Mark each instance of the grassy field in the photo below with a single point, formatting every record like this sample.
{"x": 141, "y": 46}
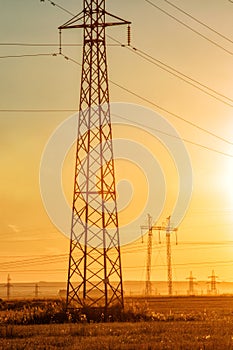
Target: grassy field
{"x": 173, "y": 323}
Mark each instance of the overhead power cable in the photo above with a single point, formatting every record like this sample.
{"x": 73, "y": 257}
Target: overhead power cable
{"x": 157, "y": 106}
{"x": 36, "y": 44}
{"x": 132, "y": 93}
{"x": 171, "y": 113}
{"x": 143, "y": 125}
{"x": 29, "y": 55}
{"x": 59, "y": 6}
{"x": 167, "y": 68}
{"x": 46, "y": 44}
{"x": 144, "y": 99}
{"x": 180, "y": 138}
{"x": 177, "y": 73}
{"x": 152, "y": 4}
{"x": 190, "y": 28}
{"x": 198, "y": 21}
{"x": 37, "y": 110}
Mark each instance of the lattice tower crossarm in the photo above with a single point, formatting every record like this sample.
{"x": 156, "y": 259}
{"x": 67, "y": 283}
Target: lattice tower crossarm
{"x": 95, "y": 272}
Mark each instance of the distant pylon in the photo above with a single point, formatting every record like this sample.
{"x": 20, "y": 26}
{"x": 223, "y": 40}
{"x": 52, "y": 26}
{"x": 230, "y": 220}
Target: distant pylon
{"x": 169, "y": 230}
{"x": 150, "y": 228}
{"x": 191, "y": 283}
{"x": 95, "y": 272}
{"x": 8, "y": 287}
{"x": 36, "y": 290}
{"x": 213, "y": 283}
{"x": 148, "y": 289}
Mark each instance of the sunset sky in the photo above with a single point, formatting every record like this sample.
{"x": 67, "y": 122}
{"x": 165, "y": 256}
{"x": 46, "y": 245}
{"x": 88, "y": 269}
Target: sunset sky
{"x": 32, "y": 248}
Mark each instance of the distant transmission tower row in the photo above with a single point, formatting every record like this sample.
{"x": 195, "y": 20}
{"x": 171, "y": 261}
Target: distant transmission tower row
{"x": 213, "y": 283}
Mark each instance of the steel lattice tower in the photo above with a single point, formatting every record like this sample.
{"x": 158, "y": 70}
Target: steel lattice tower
{"x": 169, "y": 230}
{"x": 191, "y": 283}
{"x": 213, "y": 283}
{"x": 150, "y": 228}
{"x": 95, "y": 273}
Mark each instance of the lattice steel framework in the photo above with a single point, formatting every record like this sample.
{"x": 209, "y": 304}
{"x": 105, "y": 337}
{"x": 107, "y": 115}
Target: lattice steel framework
{"x": 168, "y": 229}
{"x": 191, "y": 283}
{"x": 213, "y": 283}
{"x": 95, "y": 273}
{"x": 148, "y": 289}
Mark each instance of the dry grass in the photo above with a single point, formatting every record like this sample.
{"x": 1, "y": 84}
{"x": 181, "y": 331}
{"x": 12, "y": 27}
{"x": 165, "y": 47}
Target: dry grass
{"x": 178, "y": 324}
{"x": 217, "y": 335}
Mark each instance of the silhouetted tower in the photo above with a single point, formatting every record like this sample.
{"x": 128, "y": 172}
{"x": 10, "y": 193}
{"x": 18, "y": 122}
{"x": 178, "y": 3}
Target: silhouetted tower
{"x": 150, "y": 228}
{"x": 213, "y": 283}
{"x": 191, "y": 283}
{"x": 148, "y": 289}
{"x": 169, "y": 229}
{"x": 36, "y": 290}
{"x": 95, "y": 274}
{"x": 8, "y": 287}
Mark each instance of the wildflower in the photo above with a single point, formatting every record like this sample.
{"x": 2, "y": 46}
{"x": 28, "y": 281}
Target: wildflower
{"x": 83, "y": 318}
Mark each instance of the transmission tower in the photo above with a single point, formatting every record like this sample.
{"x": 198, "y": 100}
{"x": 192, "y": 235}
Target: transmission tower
{"x": 95, "y": 273}
{"x": 148, "y": 288}
{"x": 213, "y": 283}
{"x": 191, "y": 283}
{"x": 36, "y": 291}
{"x": 169, "y": 229}
{"x": 8, "y": 287}
{"x": 150, "y": 228}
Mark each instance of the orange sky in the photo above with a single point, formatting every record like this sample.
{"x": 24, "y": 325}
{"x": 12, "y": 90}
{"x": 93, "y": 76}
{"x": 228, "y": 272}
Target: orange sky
{"x": 26, "y": 232}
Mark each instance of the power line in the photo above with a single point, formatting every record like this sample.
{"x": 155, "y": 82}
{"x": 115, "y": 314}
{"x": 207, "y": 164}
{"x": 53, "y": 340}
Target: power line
{"x": 37, "y": 44}
{"x": 190, "y": 28}
{"x": 59, "y": 6}
{"x": 144, "y": 99}
{"x": 47, "y": 44}
{"x": 34, "y": 271}
{"x": 138, "y": 96}
{"x": 180, "y": 138}
{"x": 153, "y": 60}
{"x": 199, "y": 263}
{"x": 161, "y": 108}
{"x": 34, "y": 261}
{"x": 29, "y": 55}
{"x": 186, "y": 76}
{"x": 208, "y": 263}
{"x": 175, "y": 73}
{"x": 198, "y": 21}
{"x": 127, "y": 90}
{"x": 173, "y": 114}
{"x": 123, "y": 118}
{"x": 152, "y": 4}
{"x": 45, "y": 259}
{"x": 37, "y": 110}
